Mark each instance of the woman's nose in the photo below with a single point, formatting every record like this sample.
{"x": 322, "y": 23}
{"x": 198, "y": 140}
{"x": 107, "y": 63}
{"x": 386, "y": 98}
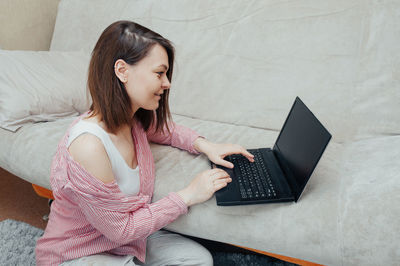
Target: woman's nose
{"x": 166, "y": 84}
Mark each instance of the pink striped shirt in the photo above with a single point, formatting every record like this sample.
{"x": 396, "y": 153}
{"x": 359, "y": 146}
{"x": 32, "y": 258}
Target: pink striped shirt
{"x": 89, "y": 216}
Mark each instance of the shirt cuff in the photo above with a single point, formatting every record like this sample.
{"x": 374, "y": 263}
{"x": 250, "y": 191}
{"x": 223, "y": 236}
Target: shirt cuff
{"x": 179, "y": 201}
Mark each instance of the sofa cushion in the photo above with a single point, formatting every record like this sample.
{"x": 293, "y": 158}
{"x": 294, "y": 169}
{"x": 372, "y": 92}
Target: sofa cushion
{"x": 41, "y": 86}
{"x": 243, "y": 62}
{"x": 368, "y": 222}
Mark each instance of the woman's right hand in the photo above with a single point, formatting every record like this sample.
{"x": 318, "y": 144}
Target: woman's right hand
{"x": 204, "y": 185}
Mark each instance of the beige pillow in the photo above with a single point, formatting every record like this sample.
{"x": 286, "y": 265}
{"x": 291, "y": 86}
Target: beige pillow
{"x": 38, "y": 86}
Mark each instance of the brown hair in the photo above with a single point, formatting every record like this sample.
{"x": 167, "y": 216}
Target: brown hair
{"x": 130, "y": 42}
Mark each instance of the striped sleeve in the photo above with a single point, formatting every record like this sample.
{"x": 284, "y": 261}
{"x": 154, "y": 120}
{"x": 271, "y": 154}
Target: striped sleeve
{"x": 180, "y": 137}
{"x": 125, "y": 227}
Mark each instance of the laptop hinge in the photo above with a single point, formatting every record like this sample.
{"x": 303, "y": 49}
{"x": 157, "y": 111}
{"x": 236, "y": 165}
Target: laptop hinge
{"x": 290, "y": 178}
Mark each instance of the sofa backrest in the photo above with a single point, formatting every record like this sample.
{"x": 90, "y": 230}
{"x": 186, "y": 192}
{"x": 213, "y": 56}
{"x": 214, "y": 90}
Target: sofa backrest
{"x": 244, "y": 62}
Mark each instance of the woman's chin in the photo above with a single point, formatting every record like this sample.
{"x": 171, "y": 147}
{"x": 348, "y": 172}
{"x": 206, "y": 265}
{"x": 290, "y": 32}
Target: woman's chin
{"x": 152, "y": 107}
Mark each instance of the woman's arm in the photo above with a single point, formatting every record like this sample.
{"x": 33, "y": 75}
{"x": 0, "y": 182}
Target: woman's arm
{"x": 188, "y": 139}
{"x": 180, "y": 137}
{"x": 125, "y": 227}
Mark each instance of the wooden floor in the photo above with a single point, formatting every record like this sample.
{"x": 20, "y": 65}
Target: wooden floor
{"x": 19, "y": 202}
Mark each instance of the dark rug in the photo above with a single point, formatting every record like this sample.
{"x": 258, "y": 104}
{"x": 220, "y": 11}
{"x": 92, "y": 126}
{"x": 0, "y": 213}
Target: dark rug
{"x": 18, "y": 241}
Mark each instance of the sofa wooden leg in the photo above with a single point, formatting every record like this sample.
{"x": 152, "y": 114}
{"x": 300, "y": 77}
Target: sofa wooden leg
{"x": 43, "y": 192}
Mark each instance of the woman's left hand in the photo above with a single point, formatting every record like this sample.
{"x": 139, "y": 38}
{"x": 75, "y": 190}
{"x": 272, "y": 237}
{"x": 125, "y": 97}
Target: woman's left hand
{"x": 217, "y": 152}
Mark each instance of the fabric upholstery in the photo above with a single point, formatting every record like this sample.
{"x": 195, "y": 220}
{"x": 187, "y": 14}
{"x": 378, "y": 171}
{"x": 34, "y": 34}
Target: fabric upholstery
{"x": 41, "y": 86}
{"x": 340, "y": 57}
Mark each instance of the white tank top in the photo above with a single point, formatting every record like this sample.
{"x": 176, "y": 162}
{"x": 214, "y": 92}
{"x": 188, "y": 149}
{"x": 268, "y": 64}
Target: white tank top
{"x": 127, "y": 178}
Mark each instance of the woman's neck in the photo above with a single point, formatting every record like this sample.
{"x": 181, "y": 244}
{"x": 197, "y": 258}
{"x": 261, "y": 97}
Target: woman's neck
{"x": 124, "y": 130}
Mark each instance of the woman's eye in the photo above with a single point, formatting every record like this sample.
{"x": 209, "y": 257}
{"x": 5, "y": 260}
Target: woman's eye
{"x": 160, "y": 73}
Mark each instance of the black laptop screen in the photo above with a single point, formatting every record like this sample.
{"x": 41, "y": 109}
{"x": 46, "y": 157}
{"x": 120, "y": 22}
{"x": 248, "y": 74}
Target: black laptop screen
{"x": 301, "y": 143}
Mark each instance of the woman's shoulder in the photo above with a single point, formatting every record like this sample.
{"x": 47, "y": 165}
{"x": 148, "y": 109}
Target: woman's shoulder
{"x": 88, "y": 150}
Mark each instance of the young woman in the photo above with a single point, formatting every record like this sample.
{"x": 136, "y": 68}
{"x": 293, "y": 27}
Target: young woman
{"x": 102, "y": 174}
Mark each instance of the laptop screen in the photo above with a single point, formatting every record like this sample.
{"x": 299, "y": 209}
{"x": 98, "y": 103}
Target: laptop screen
{"x": 300, "y": 144}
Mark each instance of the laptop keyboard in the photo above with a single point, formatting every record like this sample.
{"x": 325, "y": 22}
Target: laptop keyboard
{"x": 254, "y": 178}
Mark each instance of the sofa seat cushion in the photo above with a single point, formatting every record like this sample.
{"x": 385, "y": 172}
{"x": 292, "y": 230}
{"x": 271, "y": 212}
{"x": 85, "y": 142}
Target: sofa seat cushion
{"x": 369, "y": 202}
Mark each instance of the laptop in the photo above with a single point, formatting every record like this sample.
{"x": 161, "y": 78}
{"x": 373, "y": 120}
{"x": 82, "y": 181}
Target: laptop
{"x": 279, "y": 174}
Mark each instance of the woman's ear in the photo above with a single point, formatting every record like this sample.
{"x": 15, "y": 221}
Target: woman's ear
{"x": 121, "y": 70}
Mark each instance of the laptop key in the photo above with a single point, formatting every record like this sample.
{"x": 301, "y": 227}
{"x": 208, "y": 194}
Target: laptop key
{"x": 242, "y": 190}
{"x": 265, "y": 177}
{"x": 251, "y": 179}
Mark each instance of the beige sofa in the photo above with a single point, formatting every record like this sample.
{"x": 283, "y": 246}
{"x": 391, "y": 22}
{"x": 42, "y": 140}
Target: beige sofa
{"x": 239, "y": 66}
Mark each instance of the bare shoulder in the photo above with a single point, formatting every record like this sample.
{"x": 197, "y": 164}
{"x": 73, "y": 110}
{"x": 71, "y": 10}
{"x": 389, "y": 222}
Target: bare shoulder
{"x": 89, "y": 152}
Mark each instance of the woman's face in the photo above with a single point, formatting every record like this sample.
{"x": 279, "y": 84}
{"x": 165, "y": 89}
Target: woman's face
{"x": 145, "y": 79}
